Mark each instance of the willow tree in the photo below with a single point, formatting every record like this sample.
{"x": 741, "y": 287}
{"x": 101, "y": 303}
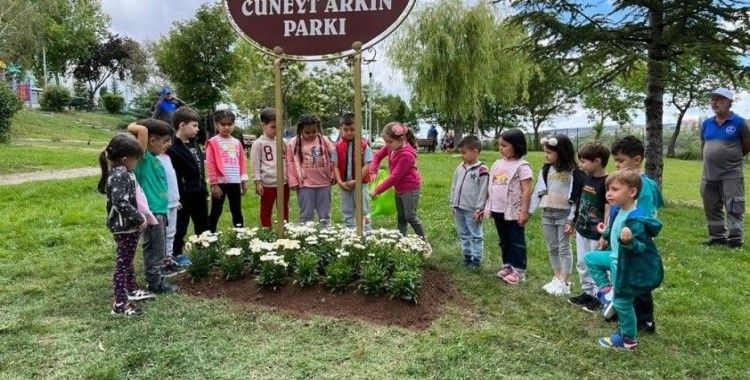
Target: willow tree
{"x": 454, "y": 57}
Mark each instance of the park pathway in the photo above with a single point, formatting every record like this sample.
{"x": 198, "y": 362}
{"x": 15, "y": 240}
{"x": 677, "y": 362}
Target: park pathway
{"x": 46, "y": 175}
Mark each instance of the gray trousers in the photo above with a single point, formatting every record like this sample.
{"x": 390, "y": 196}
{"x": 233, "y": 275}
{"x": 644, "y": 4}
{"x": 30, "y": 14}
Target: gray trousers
{"x": 406, "y": 208}
{"x": 312, "y": 199}
{"x": 583, "y": 247}
{"x": 558, "y": 243}
{"x": 348, "y": 210}
{"x": 154, "y": 249}
{"x": 720, "y": 198}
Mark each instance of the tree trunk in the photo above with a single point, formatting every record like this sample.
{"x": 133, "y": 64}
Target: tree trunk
{"x": 655, "y": 94}
{"x": 673, "y": 139}
{"x": 458, "y": 131}
{"x": 536, "y": 124}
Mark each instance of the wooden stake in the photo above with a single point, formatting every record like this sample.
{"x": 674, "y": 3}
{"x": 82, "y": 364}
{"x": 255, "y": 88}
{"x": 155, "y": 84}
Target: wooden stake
{"x": 280, "y": 161}
{"x": 357, "y": 75}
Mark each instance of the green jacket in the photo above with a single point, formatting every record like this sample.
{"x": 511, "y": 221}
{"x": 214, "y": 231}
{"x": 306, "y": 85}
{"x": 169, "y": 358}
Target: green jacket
{"x": 639, "y": 266}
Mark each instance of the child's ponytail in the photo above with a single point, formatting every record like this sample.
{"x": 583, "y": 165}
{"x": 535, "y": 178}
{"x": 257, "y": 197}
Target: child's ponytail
{"x": 121, "y": 146}
{"x": 104, "y": 165}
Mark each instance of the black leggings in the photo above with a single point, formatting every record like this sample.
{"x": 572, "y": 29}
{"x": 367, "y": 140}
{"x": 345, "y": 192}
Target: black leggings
{"x": 195, "y": 207}
{"x": 233, "y": 191}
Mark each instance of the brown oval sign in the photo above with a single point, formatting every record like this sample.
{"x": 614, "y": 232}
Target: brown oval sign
{"x": 316, "y": 29}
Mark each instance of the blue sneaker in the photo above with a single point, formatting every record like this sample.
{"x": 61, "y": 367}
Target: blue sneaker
{"x": 618, "y": 342}
{"x": 183, "y": 260}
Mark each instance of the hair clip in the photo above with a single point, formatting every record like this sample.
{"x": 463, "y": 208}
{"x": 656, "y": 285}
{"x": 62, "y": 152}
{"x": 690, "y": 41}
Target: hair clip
{"x": 549, "y": 141}
{"x": 398, "y": 130}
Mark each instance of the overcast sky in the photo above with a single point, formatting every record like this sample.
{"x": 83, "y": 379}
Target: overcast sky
{"x": 148, "y": 20}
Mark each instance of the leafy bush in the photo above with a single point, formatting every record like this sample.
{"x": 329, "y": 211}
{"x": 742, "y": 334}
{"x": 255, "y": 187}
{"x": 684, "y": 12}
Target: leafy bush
{"x": 55, "y": 99}
{"x": 141, "y": 105}
{"x": 306, "y": 270}
{"x": 272, "y": 270}
{"x": 374, "y": 277}
{"x": 232, "y": 264}
{"x": 113, "y": 103}
{"x": 9, "y": 105}
{"x": 203, "y": 252}
{"x": 339, "y": 274}
{"x": 405, "y": 284}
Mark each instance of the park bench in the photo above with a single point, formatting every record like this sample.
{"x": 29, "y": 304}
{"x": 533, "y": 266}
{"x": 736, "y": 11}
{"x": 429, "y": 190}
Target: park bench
{"x": 425, "y": 143}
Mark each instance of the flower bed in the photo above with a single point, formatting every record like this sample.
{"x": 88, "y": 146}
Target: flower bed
{"x": 383, "y": 261}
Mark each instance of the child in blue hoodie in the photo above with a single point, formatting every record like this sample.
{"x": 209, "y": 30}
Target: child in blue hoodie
{"x": 633, "y": 263}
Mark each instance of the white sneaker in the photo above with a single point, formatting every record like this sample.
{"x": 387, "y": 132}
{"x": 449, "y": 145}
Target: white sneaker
{"x": 550, "y": 285}
{"x": 562, "y": 289}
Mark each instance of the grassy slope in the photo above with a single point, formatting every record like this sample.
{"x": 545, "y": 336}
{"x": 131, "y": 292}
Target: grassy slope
{"x": 56, "y": 260}
{"x": 57, "y": 129}
{"x": 65, "y": 126}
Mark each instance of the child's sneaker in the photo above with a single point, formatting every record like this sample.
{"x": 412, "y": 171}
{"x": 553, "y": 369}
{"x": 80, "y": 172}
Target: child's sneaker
{"x": 183, "y": 260}
{"x": 504, "y": 272}
{"x": 562, "y": 289}
{"x": 164, "y": 288}
{"x": 139, "y": 295}
{"x": 592, "y": 305}
{"x": 514, "y": 277}
{"x": 647, "y": 327}
{"x": 170, "y": 268}
{"x": 127, "y": 309}
{"x": 550, "y": 285}
{"x": 619, "y": 342}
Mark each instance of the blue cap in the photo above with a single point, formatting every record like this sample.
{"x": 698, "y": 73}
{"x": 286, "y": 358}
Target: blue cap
{"x": 166, "y": 90}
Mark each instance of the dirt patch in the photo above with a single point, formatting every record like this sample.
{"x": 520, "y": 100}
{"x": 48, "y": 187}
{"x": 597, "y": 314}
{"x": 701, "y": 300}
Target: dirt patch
{"x": 437, "y": 291}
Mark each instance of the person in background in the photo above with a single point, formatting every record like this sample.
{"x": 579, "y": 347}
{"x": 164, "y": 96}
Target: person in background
{"x": 167, "y": 105}
{"x": 725, "y": 141}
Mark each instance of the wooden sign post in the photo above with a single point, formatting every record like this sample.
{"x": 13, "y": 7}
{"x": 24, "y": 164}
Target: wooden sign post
{"x": 316, "y": 30}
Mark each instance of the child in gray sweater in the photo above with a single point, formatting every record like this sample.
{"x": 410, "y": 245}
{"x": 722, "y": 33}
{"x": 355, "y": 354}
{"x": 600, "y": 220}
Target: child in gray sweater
{"x": 468, "y": 197}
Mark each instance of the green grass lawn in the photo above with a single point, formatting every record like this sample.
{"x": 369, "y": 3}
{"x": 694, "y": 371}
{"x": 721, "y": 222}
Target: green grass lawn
{"x": 56, "y": 259}
{"x": 19, "y": 158}
{"x": 85, "y": 126}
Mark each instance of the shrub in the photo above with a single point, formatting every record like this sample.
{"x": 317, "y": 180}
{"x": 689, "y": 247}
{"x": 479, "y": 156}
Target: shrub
{"x": 339, "y": 274}
{"x": 405, "y": 284}
{"x": 374, "y": 277}
{"x": 55, "y": 99}
{"x": 272, "y": 270}
{"x": 306, "y": 270}
{"x": 9, "y": 105}
{"x": 113, "y": 103}
{"x": 232, "y": 264}
{"x": 203, "y": 252}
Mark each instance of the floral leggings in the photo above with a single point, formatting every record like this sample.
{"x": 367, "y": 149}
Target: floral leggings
{"x": 124, "y": 277}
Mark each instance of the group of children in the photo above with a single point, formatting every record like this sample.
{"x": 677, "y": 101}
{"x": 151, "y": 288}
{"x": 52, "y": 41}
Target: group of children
{"x": 613, "y": 217}
{"x": 155, "y": 182}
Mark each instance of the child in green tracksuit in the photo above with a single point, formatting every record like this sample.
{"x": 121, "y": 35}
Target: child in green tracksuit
{"x": 633, "y": 263}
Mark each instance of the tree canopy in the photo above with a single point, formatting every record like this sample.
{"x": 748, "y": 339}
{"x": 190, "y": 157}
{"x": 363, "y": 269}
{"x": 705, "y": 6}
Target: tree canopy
{"x": 657, "y": 33}
{"x": 197, "y": 57}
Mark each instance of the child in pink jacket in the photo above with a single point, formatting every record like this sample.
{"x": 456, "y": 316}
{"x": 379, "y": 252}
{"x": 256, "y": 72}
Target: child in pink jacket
{"x": 227, "y": 173}
{"x": 401, "y": 150}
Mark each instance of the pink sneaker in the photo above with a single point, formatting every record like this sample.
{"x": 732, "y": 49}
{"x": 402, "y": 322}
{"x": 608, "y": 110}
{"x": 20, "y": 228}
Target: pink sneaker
{"x": 514, "y": 277}
{"x": 504, "y": 272}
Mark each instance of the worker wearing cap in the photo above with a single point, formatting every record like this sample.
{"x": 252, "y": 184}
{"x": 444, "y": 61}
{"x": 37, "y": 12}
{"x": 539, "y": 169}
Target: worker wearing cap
{"x": 725, "y": 140}
{"x": 167, "y": 104}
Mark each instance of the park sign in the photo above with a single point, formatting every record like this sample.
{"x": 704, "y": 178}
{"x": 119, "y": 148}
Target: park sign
{"x": 316, "y": 29}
